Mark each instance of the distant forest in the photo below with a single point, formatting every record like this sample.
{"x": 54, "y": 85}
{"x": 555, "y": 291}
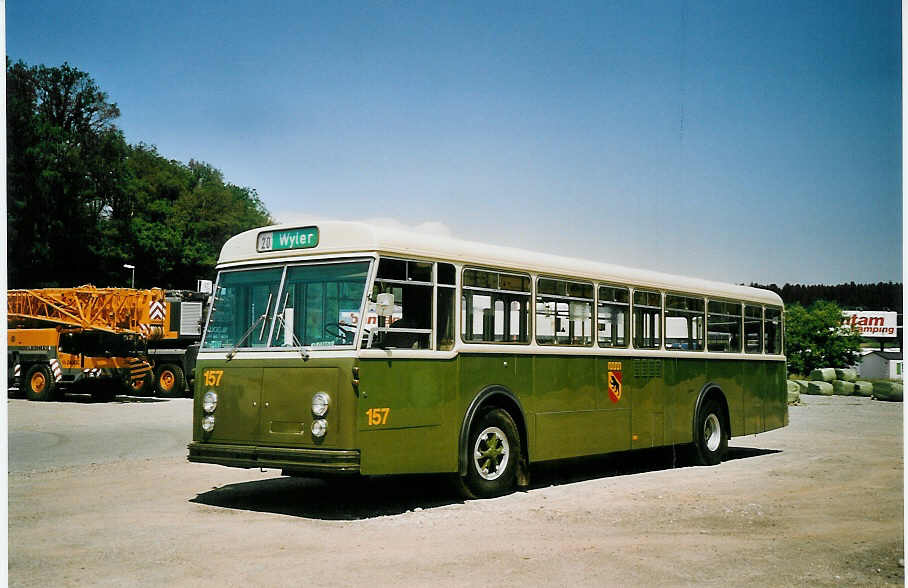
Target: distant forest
{"x": 851, "y": 296}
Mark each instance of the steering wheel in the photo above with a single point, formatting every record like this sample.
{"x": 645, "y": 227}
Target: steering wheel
{"x": 338, "y": 331}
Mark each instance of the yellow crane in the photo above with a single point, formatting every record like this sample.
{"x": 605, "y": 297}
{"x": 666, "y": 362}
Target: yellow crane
{"x": 60, "y": 336}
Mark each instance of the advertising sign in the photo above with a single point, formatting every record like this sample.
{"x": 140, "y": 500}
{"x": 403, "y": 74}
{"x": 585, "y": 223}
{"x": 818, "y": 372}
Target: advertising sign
{"x": 871, "y": 323}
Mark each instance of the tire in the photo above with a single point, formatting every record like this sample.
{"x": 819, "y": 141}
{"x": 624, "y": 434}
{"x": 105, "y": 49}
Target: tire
{"x": 493, "y": 455}
{"x": 169, "y": 381}
{"x": 39, "y": 383}
{"x": 710, "y": 434}
{"x": 143, "y": 385}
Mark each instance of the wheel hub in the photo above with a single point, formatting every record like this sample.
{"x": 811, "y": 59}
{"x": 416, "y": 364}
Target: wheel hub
{"x": 712, "y": 432}
{"x": 491, "y": 452}
{"x": 38, "y": 382}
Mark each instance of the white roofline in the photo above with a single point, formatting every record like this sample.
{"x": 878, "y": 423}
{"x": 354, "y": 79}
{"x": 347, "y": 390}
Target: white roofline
{"x": 344, "y": 237}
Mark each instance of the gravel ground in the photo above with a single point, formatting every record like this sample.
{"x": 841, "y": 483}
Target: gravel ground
{"x": 101, "y": 494}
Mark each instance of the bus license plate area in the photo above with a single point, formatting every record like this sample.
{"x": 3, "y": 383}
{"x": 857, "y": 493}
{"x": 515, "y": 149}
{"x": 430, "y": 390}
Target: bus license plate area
{"x": 286, "y": 407}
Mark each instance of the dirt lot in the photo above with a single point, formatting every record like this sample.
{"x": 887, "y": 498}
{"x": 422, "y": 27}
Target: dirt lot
{"x": 101, "y": 494}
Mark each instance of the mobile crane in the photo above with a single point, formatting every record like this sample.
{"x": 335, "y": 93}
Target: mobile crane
{"x": 60, "y": 337}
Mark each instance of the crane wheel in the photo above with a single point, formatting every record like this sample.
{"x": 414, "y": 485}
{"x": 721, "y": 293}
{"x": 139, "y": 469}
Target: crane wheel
{"x": 169, "y": 381}
{"x": 39, "y": 383}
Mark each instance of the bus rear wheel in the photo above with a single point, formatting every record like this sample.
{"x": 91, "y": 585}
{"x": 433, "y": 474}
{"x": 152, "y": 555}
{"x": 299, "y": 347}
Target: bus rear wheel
{"x": 493, "y": 453}
{"x": 169, "y": 381}
{"x": 39, "y": 383}
{"x": 711, "y": 433}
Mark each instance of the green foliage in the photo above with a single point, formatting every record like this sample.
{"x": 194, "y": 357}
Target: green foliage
{"x": 815, "y": 338}
{"x": 82, "y": 202}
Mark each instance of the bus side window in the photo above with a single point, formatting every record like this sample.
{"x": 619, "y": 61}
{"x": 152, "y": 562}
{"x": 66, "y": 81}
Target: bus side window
{"x": 494, "y": 307}
{"x": 772, "y": 330}
{"x": 647, "y": 319}
{"x": 684, "y": 322}
{"x": 564, "y": 312}
{"x": 612, "y": 316}
{"x": 753, "y": 324}
{"x": 444, "y": 307}
{"x": 412, "y": 285}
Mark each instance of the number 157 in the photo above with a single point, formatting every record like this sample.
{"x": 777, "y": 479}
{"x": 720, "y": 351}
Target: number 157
{"x": 378, "y": 416}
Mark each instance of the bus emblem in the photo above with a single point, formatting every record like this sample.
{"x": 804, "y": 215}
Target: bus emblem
{"x": 614, "y": 385}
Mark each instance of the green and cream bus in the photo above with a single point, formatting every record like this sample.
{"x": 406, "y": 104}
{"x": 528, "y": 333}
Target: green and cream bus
{"x": 344, "y": 347}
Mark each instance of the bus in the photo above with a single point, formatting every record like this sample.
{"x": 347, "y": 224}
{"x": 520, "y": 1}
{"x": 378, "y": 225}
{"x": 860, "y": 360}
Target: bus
{"x": 346, "y": 348}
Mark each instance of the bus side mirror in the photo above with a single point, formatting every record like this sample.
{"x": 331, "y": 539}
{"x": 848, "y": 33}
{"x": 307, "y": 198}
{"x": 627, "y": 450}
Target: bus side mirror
{"x": 384, "y": 308}
{"x": 384, "y": 305}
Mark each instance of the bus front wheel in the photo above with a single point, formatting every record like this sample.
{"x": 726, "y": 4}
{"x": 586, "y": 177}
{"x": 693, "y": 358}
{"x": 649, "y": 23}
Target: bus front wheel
{"x": 710, "y": 434}
{"x": 493, "y": 453}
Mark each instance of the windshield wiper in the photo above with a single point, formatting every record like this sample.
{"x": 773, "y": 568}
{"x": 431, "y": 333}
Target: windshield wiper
{"x": 251, "y": 328}
{"x": 304, "y": 353}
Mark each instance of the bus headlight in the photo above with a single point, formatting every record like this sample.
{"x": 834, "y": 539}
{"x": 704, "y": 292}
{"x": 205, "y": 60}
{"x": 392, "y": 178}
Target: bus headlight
{"x": 210, "y": 401}
{"x": 208, "y": 423}
{"x": 320, "y": 404}
{"x": 319, "y": 428}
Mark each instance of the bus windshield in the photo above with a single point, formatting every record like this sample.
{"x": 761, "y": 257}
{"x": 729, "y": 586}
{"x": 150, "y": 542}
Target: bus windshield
{"x": 288, "y": 306}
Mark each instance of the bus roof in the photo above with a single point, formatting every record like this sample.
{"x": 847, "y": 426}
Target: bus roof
{"x": 345, "y": 237}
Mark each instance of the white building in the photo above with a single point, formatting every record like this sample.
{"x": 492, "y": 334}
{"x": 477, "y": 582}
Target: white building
{"x": 881, "y": 365}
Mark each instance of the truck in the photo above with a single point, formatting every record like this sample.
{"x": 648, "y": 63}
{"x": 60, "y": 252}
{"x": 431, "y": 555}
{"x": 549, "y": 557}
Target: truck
{"x": 173, "y": 343}
{"x": 121, "y": 340}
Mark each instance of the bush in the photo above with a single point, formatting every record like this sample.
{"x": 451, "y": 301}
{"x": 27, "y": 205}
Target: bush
{"x": 815, "y": 337}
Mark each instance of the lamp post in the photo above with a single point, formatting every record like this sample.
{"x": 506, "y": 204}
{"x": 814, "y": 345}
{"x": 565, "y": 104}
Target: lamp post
{"x": 133, "y": 268}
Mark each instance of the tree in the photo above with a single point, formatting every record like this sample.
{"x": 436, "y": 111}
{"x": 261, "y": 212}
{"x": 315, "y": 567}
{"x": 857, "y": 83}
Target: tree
{"x": 815, "y": 338}
{"x": 65, "y": 165}
{"x": 82, "y": 202}
{"x": 182, "y": 215}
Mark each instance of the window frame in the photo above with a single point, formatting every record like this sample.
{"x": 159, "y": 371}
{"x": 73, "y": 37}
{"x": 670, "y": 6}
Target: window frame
{"x": 565, "y": 297}
{"x": 740, "y": 317}
{"x": 433, "y": 284}
{"x": 759, "y": 307}
{"x": 678, "y": 294}
{"x": 530, "y": 308}
{"x": 661, "y": 293}
{"x": 628, "y": 319}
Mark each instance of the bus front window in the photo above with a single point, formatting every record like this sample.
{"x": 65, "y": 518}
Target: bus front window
{"x": 326, "y": 300}
{"x": 241, "y": 299}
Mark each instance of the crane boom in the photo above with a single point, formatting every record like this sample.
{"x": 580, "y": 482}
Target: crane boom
{"x": 113, "y": 310}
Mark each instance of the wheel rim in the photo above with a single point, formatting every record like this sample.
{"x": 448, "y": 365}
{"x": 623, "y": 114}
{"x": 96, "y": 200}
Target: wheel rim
{"x": 491, "y": 453}
{"x": 38, "y": 382}
{"x": 712, "y": 432}
{"x": 167, "y": 380}
{"x": 138, "y": 384}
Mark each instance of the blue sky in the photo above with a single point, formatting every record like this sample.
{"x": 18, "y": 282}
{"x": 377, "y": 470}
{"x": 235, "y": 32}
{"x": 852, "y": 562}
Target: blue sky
{"x": 736, "y": 141}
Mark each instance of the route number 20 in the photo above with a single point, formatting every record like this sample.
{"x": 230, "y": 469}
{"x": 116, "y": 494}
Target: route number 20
{"x": 213, "y": 377}
{"x": 378, "y": 416}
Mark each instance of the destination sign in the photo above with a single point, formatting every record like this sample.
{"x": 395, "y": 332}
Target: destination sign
{"x": 304, "y": 238}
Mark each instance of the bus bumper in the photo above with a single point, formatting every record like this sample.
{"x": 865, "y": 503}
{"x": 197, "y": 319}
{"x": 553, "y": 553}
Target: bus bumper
{"x": 296, "y": 460}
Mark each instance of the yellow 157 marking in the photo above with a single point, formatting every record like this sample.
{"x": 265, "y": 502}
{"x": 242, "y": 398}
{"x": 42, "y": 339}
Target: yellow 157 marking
{"x": 213, "y": 377}
{"x": 378, "y": 416}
